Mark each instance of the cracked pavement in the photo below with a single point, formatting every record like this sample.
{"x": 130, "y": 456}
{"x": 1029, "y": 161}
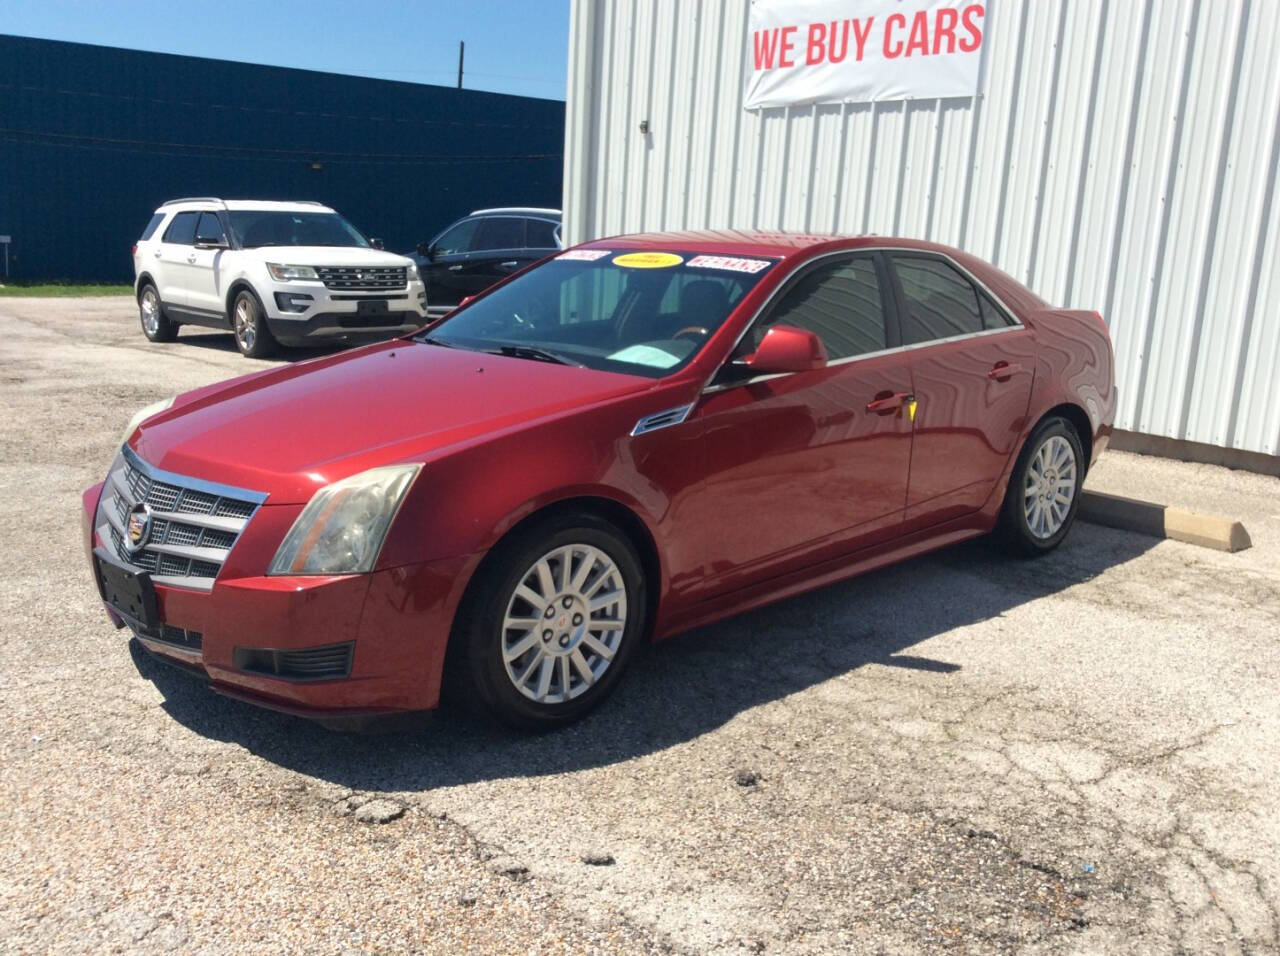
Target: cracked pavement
{"x": 1076, "y": 754}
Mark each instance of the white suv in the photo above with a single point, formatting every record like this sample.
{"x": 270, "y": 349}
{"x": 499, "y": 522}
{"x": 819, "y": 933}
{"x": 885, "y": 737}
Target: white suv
{"x": 296, "y": 273}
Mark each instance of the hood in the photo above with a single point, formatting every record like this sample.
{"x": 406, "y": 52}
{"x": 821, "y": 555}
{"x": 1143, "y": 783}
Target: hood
{"x": 329, "y": 256}
{"x": 289, "y": 430}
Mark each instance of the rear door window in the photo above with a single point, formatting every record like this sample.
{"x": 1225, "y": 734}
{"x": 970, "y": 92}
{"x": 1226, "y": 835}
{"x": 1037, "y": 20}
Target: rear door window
{"x": 541, "y": 234}
{"x": 457, "y": 239}
{"x": 841, "y": 302}
{"x": 500, "y": 232}
{"x": 182, "y": 231}
{"x": 941, "y": 302}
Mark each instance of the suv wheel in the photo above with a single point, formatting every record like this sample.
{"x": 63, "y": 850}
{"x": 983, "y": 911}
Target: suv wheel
{"x": 553, "y": 622}
{"x": 253, "y": 338}
{"x": 156, "y": 326}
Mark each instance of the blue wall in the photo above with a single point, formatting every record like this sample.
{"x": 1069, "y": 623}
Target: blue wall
{"x": 92, "y": 139}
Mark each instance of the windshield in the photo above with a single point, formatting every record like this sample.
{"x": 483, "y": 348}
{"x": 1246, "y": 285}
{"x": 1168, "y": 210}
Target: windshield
{"x": 641, "y": 313}
{"x": 255, "y": 228}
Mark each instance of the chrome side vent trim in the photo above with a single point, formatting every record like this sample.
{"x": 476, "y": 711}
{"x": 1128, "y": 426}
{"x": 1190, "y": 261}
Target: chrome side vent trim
{"x": 672, "y": 416}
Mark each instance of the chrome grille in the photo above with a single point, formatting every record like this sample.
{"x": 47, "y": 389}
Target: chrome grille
{"x": 367, "y": 279}
{"x": 194, "y": 524}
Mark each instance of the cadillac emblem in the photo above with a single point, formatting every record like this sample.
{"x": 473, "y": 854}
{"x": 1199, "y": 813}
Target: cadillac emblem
{"x": 137, "y": 527}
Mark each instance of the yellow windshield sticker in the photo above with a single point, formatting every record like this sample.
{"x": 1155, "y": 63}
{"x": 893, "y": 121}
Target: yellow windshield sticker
{"x": 648, "y": 260}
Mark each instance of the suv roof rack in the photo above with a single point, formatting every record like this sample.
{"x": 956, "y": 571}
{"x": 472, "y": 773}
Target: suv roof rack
{"x": 172, "y": 202}
{"x": 526, "y": 209}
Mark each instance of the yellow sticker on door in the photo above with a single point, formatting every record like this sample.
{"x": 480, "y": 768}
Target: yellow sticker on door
{"x": 648, "y": 260}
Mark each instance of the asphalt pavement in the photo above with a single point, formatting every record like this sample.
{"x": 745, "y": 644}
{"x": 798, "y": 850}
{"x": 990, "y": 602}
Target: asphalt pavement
{"x": 1074, "y": 754}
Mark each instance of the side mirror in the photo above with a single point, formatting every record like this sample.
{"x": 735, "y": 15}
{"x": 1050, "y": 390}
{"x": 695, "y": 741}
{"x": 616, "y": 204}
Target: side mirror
{"x": 786, "y": 348}
{"x": 424, "y": 249}
{"x": 376, "y": 243}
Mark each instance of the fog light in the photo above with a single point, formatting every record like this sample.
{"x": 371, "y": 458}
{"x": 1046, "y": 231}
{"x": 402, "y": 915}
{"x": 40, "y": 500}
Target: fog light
{"x": 294, "y": 301}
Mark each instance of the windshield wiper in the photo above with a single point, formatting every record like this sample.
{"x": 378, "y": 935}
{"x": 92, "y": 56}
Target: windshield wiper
{"x": 432, "y": 340}
{"x": 535, "y": 353}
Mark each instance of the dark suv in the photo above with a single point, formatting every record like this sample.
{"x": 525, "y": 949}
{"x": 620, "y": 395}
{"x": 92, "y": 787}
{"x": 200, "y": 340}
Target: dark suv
{"x": 479, "y": 249}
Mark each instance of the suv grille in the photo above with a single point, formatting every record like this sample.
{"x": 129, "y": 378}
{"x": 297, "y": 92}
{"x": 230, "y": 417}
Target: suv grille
{"x": 193, "y": 524}
{"x": 369, "y": 279}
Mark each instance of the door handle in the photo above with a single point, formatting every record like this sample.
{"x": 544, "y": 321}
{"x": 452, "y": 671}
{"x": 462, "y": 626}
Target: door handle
{"x": 508, "y": 265}
{"x": 192, "y": 257}
{"x": 455, "y": 268}
{"x": 157, "y": 253}
{"x": 1002, "y": 370}
{"x": 889, "y": 403}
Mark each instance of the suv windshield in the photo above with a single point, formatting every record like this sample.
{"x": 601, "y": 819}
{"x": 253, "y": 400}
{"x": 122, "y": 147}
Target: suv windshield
{"x": 255, "y": 228}
{"x": 641, "y": 313}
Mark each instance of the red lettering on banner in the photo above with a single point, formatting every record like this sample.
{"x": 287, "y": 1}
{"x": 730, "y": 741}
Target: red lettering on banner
{"x": 838, "y": 47}
{"x": 918, "y": 42}
{"x": 893, "y": 49}
{"x": 972, "y": 14}
{"x": 862, "y": 30}
{"x": 815, "y": 50}
{"x": 788, "y": 47}
{"x": 766, "y": 47}
{"x": 945, "y": 28}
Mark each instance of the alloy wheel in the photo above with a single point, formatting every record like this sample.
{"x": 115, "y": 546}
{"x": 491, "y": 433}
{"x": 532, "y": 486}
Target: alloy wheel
{"x": 150, "y": 306}
{"x": 246, "y": 324}
{"x": 1050, "y": 487}
{"x": 564, "y": 623}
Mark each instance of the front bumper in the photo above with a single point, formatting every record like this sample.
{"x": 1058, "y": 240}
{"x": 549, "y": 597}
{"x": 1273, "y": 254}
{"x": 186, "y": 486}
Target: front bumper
{"x": 397, "y": 621}
{"x": 309, "y": 313}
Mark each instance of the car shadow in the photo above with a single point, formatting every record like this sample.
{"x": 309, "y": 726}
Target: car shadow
{"x": 226, "y": 342}
{"x": 680, "y": 689}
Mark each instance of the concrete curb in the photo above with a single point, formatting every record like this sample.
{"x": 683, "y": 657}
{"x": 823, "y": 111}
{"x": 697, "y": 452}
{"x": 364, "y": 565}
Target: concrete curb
{"x": 1161, "y": 521}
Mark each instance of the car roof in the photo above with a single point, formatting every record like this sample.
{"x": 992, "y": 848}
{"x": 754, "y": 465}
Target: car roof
{"x": 265, "y": 205}
{"x": 521, "y": 210}
{"x": 749, "y": 242}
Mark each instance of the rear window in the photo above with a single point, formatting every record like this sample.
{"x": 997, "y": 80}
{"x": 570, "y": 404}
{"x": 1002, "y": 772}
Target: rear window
{"x": 642, "y": 313}
{"x": 542, "y": 234}
{"x": 152, "y": 226}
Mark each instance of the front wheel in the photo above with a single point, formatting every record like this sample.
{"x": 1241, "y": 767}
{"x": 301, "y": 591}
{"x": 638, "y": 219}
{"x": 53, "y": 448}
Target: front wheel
{"x": 253, "y": 338}
{"x": 156, "y": 326}
{"x": 553, "y": 622}
{"x": 1044, "y": 489}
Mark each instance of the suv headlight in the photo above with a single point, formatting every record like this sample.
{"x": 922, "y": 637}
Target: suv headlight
{"x": 283, "y": 273}
{"x": 412, "y": 271}
{"x": 142, "y": 414}
{"x": 342, "y": 528}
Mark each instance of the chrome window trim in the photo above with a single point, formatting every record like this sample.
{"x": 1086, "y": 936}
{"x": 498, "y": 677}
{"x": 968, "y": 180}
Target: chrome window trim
{"x": 709, "y": 389}
{"x": 186, "y": 481}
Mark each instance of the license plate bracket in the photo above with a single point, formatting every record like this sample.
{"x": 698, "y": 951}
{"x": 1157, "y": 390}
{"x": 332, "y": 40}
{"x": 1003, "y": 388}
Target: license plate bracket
{"x": 371, "y": 307}
{"x": 128, "y": 591}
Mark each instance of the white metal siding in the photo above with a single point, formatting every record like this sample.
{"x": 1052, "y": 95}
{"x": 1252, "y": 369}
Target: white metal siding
{"x": 1123, "y": 157}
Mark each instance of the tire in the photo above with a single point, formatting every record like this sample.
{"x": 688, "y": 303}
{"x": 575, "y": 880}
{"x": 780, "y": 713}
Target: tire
{"x": 1035, "y": 517}
{"x": 249, "y": 325}
{"x": 156, "y": 326}
{"x": 516, "y": 691}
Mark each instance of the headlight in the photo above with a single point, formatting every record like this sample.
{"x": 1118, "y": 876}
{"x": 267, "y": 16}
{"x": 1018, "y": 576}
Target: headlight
{"x": 288, "y": 273}
{"x": 342, "y": 528}
{"x": 412, "y": 271}
{"x": 142, "y": 414}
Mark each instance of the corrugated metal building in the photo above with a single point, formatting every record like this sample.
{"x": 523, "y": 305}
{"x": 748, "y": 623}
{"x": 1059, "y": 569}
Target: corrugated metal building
{"x": 1122, "y": 157}
{"x": 92, "y": 139}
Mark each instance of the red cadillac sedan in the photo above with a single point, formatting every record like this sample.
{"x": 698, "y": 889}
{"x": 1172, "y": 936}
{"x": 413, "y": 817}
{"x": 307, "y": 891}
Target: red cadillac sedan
{"x": 635, "y": 437}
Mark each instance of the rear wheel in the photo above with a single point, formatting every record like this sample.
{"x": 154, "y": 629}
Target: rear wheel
{"x": 1044, "y": 489}
{"x": 253, "y": 338}
{"x": 553, "y": 622}
{"x": 156, "y": 326}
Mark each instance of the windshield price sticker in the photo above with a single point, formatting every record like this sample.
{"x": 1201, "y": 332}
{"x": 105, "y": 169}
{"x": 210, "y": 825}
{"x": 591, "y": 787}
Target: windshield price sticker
{"x": 728, "y": 262}
{"x": 648, "y": 260}
{"x": 585, "y": 255}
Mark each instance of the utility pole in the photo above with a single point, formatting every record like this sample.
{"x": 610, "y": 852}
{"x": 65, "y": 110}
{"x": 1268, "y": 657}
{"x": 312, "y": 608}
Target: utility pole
{"x": 462, "y": 49}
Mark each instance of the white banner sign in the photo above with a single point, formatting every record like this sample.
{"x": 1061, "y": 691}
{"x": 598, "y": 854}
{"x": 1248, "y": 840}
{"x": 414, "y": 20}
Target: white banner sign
{"x": 834, "y": 51}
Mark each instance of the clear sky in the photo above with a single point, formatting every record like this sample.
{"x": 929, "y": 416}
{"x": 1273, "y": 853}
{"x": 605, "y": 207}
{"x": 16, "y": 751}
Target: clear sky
{"x": 512, "y": 46}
